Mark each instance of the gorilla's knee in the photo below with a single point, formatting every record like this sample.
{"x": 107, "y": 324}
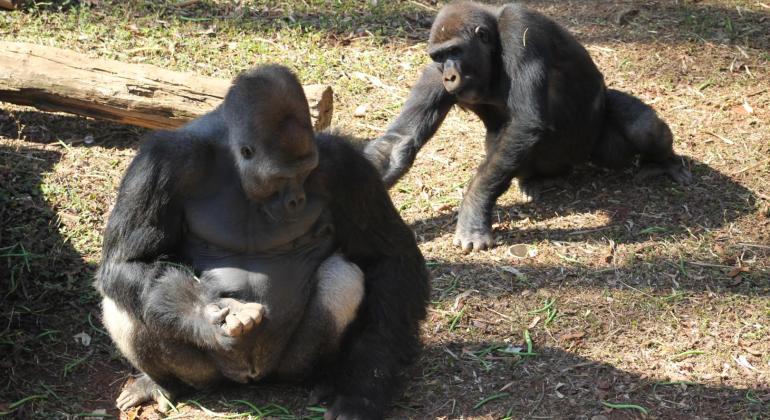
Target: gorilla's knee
{"x": 340, "y": 289}
{"x": 121, "y": 327}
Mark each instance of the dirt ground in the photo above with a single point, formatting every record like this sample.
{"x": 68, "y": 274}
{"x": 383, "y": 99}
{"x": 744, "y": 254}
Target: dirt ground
{"x": 637, "y": 299}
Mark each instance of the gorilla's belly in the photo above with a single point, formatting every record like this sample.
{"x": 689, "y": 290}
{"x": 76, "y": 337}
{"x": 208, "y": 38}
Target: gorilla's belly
{"x": 281, "y": 280}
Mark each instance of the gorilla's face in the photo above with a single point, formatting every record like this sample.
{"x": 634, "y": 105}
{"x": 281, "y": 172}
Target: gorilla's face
{"x": 273, "y": 167}
{"x": 463, "y": 48}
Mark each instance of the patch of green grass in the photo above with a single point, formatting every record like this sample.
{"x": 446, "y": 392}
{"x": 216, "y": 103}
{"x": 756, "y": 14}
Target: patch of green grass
{"x": 686, "y": 354}
{"x": 489, "y": 399}
{"x": 626, "y": 407}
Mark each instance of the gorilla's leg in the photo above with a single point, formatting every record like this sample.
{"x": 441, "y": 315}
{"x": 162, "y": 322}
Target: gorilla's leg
{"x": 530, "y": 189}
{"x": 339, "y": 293}
{"x": 633, "y": 128}
{"x": 168, "y": 366}
{"x": 542, "y": 174}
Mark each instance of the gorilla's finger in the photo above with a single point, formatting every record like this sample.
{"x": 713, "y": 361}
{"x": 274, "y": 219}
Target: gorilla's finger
{"x": 233, "y": 326}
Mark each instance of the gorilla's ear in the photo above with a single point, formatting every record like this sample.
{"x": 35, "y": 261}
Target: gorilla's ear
{"x": 482, "y": 33}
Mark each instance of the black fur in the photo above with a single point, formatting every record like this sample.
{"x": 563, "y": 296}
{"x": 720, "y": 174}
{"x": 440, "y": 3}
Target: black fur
{"x": 541, "y": 98}
{"x": 178, "y": 196}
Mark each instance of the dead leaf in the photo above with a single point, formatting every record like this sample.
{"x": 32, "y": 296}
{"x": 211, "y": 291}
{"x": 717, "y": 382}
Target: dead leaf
{"x": 556, "y": 390}
{"x": 443, "y": 207}
{"x": 747, "y": 107}
{"x": 744, "y": 363}
{"x": 575, "y": 335}
{"x": 512, "y": 270}
{"x": 603, "y": 384}
{"x": 460, "y": 300}
{"x": 534, "y": 322}
{"x": 82, "y": 338}
{"x": 361, "y": 110}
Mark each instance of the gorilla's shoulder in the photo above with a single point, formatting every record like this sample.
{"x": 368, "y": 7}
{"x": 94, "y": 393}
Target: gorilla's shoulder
{"x": 342, "y": 162}
{"x": 341, "y": 149}
{"x": 172, "y": 155}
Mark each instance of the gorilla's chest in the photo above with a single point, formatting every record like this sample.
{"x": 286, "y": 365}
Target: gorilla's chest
{"x": 239, "y": 252}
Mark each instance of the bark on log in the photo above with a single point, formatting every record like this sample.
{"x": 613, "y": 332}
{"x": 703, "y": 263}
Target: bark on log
{"x": 54, "y": 79}
{"x": 7, "y": 5}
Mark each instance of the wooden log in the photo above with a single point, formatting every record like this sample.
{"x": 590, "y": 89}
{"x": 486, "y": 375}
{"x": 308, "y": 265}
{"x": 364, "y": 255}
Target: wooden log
{"x": 58, "y": 80}
{"x": 7, "y": 4}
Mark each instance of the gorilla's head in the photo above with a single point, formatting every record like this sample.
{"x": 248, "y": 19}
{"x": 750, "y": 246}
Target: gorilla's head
{"x": 271, "y": 139}
{"x": 464, "y": 43}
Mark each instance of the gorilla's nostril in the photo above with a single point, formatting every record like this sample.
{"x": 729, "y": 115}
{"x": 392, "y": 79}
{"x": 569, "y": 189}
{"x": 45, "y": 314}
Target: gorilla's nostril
{"x": 292, "y": 204}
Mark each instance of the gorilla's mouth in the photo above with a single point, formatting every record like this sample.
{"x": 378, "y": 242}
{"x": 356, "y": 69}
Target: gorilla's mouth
{"x": 463, "y": 87}
{"x": 272, "y": 218}
{"x": 275, "y": 219}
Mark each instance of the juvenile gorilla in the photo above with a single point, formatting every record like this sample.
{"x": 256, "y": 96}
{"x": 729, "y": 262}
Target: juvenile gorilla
{"x": 241, "y": 247}
{"x": 543, "y": 103}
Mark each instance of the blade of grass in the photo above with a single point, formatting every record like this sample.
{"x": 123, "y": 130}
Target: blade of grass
{"x": 490, "y": 398}
{"x": 548, "y": 304}
{"x": 626, "y": 407}
{"x": 687, "y": 353}
{"x": 456, "y": 319}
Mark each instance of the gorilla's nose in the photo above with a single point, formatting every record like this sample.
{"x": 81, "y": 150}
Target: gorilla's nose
{"x": 295, "y": 204}
{"x": 451, "y": 80}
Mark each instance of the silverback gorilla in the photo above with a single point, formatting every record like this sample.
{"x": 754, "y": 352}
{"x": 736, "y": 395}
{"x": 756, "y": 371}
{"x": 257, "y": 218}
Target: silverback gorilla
{"x": 543, "y": 103}
{"x": 242, "y": 247}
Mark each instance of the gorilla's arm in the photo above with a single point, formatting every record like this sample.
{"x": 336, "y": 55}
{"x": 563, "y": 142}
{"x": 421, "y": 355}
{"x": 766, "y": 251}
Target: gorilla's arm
{"x": 428, "y": 104}
{"x": 385, "y": 336}
{"x": 139, "y": 270}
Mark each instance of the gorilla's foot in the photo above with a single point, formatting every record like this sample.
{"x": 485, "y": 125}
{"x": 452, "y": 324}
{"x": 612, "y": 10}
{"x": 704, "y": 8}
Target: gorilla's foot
{"x": 322, "y": 394}
{"x": 473, "y": 238}
{"x": 236, "y": 318}
{"x": 531, "y": 189}
{"x": 352, "y": 408}
{"x": 143, "y": 389}
{"x": 674, "y": 168}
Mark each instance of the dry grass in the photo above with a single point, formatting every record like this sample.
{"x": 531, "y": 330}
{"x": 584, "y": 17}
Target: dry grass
{"x": 650, "y": 296}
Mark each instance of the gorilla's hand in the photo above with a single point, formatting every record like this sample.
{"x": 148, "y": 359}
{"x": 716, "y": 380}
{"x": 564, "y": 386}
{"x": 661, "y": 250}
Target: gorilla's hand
{"x": 233, "y": 318}
{"x": 392, "y": 155}
{"x": 378, "y": 152}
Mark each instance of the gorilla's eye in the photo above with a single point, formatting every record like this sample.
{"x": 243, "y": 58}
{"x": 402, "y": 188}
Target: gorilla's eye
{"x": 437, "y": 57}
{"x": 247, "y": 152}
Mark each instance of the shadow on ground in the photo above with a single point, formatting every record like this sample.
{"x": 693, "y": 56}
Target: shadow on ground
{"x": 45, "y": 294}
{"x": 635, "y": 211}
{"x": 459, "y": 379}
{"x": 46, "y": 128}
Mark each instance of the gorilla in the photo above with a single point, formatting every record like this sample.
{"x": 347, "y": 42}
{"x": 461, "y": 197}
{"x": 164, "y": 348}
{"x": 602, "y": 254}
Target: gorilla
{"x": 242, "y": 247}
{"x": 543, "y": 103}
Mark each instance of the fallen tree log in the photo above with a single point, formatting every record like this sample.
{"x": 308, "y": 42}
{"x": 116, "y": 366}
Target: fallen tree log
{"x": 53, "y": 79}
{"x": 9, "y": 4}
